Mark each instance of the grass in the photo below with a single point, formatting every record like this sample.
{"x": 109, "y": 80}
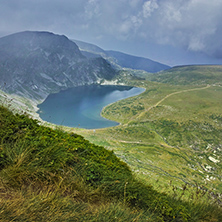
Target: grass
{"x": 53, "y": 175}
{"x": 189, "y": 75}
{"x": 161, "y": 164}
{"x": 48, "y": 205}
{"x": 172, "y": 131}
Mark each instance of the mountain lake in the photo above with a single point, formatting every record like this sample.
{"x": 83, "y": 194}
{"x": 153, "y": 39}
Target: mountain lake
{"x": 81, "y": 106}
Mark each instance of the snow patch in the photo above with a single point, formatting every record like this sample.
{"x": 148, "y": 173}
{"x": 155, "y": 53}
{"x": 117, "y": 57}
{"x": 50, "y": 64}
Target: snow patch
{"x": 112, "y": 82}
{"x": 60, "y": 56}
{"x": 47, "y": 53}
{"x": 46, "y": 76}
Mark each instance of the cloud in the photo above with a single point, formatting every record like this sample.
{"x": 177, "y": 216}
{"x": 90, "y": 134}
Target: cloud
{"x": 149, "y": 7}
{"x": 92, "y": 9}
{"x": 195, "y": 25}
{"x": 192, "y": 24}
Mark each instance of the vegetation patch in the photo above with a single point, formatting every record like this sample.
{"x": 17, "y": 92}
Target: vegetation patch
{"x": 52, "y": 174}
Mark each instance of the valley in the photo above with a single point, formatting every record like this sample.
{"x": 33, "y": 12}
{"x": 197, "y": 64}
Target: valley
{"x": 168, "y": 134}
{"x": 162, "y": 162}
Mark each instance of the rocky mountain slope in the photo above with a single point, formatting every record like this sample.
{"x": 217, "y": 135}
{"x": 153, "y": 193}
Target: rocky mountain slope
{"x": 121, "y": 60}
{"x": 35, "y": 64}
{"x": 135, "y": 62}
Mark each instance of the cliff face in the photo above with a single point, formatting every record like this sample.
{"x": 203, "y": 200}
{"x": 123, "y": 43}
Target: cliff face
{"x": 34, "y": 64}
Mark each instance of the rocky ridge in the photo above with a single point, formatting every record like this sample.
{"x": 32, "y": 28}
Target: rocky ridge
{"x": 35, "y": 64}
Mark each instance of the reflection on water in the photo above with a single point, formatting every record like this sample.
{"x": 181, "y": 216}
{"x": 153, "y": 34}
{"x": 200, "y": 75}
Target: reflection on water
{"x": 81, "y": 106}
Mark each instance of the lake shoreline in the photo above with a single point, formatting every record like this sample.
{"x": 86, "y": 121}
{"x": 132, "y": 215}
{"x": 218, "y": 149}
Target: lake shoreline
{"x": 86, "y": 109}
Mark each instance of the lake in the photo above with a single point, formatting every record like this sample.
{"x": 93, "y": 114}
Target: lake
{"x": 81, "y": 106}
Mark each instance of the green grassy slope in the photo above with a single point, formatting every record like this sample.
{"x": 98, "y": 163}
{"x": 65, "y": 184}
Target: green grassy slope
{"x": 50, "y": 175}
{"x": 171, "y": 132}
{"x": 189, "y": 75}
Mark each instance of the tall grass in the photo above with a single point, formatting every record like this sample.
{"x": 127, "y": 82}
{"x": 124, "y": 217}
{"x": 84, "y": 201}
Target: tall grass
{"x": 50, "y": 175}
{"x": 48, "y": 205}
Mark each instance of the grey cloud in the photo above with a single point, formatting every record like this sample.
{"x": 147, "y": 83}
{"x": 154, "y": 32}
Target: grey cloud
{"x": 149, "y": 7}
{"x": 194, "y": 25}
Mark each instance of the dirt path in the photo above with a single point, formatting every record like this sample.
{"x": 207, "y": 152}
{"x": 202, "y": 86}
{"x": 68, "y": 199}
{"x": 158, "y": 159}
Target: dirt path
{"x": 171, "y": 94}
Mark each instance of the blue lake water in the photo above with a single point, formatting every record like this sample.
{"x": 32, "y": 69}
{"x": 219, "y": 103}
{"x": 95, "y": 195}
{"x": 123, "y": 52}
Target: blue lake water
{"x": 81, "y": 106}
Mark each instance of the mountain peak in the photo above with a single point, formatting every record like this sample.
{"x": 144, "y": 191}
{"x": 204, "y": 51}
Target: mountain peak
{"x": 120, "y": 59}
{"x": 35, "y": 64}
{"x": 33, "y": 40}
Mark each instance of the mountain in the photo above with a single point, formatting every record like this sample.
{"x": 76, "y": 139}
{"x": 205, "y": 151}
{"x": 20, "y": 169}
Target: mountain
{"x": 93, "y": 51}
{"x": 134, "y": 62}
{"x": 34, "y": 64}
{"x": 119, "y": 59}
{"x": 83, "y": 46}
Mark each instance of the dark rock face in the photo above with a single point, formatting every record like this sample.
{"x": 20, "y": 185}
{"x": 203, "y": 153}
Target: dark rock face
{"x": 34, "y": 64}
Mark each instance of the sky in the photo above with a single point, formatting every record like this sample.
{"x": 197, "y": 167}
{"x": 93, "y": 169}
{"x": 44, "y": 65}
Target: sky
{"x": 173, "y": 32}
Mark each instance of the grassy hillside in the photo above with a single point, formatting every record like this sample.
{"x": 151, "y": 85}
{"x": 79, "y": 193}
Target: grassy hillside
{"x": 50, "y": 175}
{"x": 189, "y": 75}
{"x": 172, "y": 133}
